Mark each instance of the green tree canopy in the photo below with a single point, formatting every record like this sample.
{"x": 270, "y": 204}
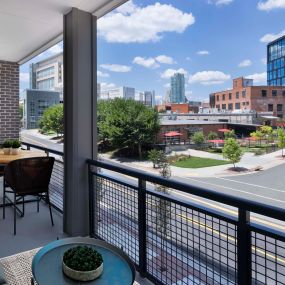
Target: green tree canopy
{"x": 281, "y": 139}
{"x": 232, "y": 151}
{"x": 212, "y": 136}
{"x": 52, "y": 119}
{"x": 127, "y": 123}
{"x": 230, "y": 134}
{"x": 198, "y": 138}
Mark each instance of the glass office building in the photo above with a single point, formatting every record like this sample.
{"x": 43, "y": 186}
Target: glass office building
{"x": 276, "y": 62}
{"x": 177, "y": 94}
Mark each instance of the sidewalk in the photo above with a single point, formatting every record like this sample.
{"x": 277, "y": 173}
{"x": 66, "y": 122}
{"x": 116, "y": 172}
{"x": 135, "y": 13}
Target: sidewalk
{"x": 249, "y": 161}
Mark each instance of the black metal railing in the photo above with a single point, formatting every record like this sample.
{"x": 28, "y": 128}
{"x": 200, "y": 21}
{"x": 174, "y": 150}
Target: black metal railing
{"x": 178, "y": 241}
{"x": 57, "y": 177}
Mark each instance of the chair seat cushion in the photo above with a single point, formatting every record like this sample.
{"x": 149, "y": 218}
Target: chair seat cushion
{"x": 3, "y": 280}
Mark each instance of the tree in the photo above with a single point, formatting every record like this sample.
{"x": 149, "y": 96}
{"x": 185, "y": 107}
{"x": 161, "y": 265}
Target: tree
{"x": 230, "y": 134}
{"x": 198, "y": 138}
{"x": 52, "y": 119}
{"x": 232, "y": 151}
{"x": 127, "y": 123}
{"x": 212, "y": 136}
{"x": 281, "y": 139}
{"x": 155, "y": 156}
{"x": 162, "y": 209}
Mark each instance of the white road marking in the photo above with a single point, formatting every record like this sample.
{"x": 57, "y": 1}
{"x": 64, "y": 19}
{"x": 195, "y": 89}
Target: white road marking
{"x": 250, "y": 184}
{"x": 237, "y": 190}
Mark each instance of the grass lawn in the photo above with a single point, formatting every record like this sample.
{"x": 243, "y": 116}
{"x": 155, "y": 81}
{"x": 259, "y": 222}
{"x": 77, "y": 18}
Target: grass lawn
{"x": 199, "y": 162}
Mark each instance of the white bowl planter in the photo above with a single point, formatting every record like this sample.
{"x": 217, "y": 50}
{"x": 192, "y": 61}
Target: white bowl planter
{"x": 6, "y": 150}
{"x": 15, "y": 151}
{"x": 82, "y": 275}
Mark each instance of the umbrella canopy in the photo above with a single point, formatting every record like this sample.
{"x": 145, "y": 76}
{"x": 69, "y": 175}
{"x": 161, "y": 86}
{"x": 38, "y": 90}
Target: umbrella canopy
{"x": 281, "y": 124}
{"x": 216, "y": 141}
{"x": 251, "y": 139}
{"x": 224, "y": 130}
{"x": 172, "y": 134}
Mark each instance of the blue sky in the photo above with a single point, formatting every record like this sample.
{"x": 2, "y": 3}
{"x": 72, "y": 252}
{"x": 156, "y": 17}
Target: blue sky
{"x": 212, "y": 41}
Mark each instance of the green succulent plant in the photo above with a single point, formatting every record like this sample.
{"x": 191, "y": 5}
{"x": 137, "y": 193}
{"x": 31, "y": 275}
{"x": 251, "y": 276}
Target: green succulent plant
{"x": 7, "y": 144}
{"x": 82, "y": 258}
{"x": 15, "y": 144}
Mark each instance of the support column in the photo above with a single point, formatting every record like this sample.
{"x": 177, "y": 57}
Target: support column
{"x": 80, "y": 96}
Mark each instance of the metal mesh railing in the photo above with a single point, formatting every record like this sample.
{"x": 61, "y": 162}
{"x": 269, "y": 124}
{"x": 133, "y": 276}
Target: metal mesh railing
{"x": 174, "y": 241}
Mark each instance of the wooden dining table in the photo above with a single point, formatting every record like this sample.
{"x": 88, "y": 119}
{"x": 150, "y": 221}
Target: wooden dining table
{"x": 6, "y": 158}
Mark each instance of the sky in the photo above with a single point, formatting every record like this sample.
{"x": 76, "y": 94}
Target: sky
{"x": 144, "y": 42}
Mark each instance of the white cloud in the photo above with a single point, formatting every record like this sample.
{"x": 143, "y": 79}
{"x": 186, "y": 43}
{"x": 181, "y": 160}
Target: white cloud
{"x": 106, "y": 86}
{"x": 166, "y": 85}
{"x": 209, "y": 77}
{"x": 260, "y": 78}
{"x": 56, "y": 49}
{"x": 24, "y": 77}
{"x": 165, "y": 59}
{"x": 245, "y": 63}
{"x": 170, "y": 72}
{"x": 146, "y": 62}
{"x": 116, "y": 67}
{"x": 264, "y": 60}
{"x": 134, "y": 24}
{"x": 271, "y": 37}
{"x": 188, "y": 58}
{"x": 220, "y": 2}
{"x": 188, "y": 94}
{"x": 203, "y": 52}
{"x": 102, "y": 74}
{"x": 153, "y": 62}
{"x": 271, "y": 4}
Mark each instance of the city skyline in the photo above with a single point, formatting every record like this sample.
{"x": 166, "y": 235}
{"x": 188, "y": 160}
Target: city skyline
{"x": 210, "y": 51}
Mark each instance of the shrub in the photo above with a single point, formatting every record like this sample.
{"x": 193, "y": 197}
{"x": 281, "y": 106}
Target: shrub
{"x": 198, "y": 138}
{"x": 7, "y": 144}
{"x": 15, "y": 144}
{"x": 212, "y": 136}
{"x": 82, "y": 258}
{"x": 155, "y": 156}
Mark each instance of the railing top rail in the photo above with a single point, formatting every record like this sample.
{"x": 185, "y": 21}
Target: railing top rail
{"x": 238, "y": 202}
{"x": 43, "y": 148}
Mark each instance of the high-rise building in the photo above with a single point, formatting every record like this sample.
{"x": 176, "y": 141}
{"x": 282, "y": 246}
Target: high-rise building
{"x": 177, "y": 94}
{"x": 276, "y": 62}
{"x": 47, "y": 74}
{"x": 35, "y": 102}
{"x": 119, "y": 92}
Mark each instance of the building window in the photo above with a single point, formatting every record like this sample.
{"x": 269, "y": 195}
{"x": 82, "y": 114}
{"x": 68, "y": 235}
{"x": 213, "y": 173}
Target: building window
{"x": 218, "y": 106}
{"x": 230, "y": 96}
{"x": 247, "y": 103}
{"x": 224, "y": 106}
{"x": 279, "y": 107}
{"x": 230, "y": 106}
{"x": 263, "y": 93}
{"x": 45, "y": 72}
{"x": 237, "y": 106}
{"x": 274, "y": 93}
{"x": 270, "y": 107}
{"x": 243, "y": 94}
{"x": 283, "y": 93}
{"x": 224, "y": 97}
{"x": 218, "y": 98}
{"x": 237, "y": 95}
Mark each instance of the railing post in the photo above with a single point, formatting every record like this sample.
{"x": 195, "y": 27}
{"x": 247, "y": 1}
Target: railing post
{"x": 244, "y": 248}
{"x": 91, "y": 201}
{"x": 142, "y": 227}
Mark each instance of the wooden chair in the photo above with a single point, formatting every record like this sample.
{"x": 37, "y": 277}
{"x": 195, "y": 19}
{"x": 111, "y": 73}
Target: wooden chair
{"x": 29, "y": 176}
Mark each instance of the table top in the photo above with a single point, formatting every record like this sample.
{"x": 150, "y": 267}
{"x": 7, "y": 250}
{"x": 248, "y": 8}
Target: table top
{"x": 6, "y": 158}
{"x": 47, "y": 263}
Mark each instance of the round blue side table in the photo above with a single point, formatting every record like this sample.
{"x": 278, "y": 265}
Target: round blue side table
{"x": 47, "y": 264}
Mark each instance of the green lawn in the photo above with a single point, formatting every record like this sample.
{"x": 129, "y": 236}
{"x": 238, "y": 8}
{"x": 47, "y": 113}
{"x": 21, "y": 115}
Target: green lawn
{"x": 199, "y": 162}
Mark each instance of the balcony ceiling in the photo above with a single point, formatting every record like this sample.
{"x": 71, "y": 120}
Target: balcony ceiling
{"x": 28, "y": 27}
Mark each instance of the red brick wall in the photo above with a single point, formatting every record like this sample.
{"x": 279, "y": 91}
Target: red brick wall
{"x": 9, "y": 101}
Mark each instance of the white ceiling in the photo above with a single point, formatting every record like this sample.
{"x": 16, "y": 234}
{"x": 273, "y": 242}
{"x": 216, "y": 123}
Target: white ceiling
{"x": 28, "y": 27}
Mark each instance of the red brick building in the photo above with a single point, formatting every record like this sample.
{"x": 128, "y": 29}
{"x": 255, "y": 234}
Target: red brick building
{"x": 245, "y": 96}
{"x": 178, "y": 108}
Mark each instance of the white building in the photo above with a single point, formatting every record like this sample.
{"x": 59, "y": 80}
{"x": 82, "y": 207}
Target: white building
{"x": 47, "y": 74}
{"x": 119, "y": 92}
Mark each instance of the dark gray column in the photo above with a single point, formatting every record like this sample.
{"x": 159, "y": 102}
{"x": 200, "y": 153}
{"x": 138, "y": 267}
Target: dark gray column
{"x": 80, "y": 94}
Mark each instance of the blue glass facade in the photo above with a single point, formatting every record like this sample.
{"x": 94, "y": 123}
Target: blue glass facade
{"x": 177, "y": 88}
{"x": 276, "y": 62}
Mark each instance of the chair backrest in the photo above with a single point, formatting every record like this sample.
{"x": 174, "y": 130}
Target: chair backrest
{"x": 29, "y": 175}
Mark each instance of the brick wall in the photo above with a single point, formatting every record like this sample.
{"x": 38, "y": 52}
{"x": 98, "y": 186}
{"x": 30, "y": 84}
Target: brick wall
{"x": 9, "y": 101}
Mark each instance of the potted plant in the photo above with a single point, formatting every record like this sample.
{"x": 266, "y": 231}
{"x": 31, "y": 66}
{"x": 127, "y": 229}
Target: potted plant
{"x": 16, "y": 144}
{"x": 82, "y": 263}
{"x": 7, "y": 147}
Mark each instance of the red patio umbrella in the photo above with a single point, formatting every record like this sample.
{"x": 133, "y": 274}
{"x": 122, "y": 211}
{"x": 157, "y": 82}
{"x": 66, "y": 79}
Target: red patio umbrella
{"x": 224, "y": 130}
{"x": 172, "y": 134}
{"x": 216, "y": 141}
